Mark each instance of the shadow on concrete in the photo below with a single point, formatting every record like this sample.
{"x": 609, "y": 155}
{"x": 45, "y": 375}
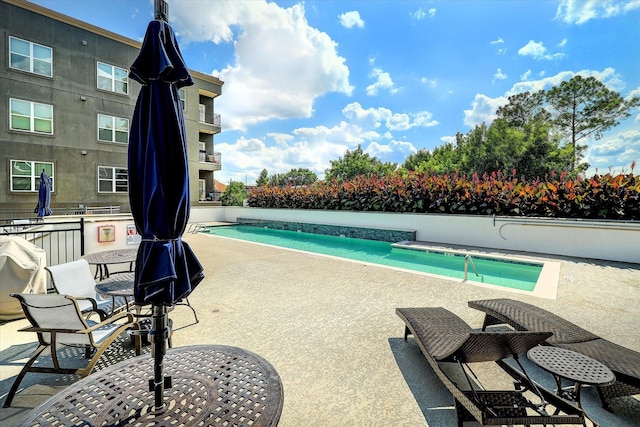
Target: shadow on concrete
{"x": 433, "y": 398}
{"x": 437, "y": 404}
{"x": 36, "y": 388}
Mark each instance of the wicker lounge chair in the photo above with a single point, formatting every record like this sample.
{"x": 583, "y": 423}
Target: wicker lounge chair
{"x": 58, "y": 321}
{"x": 444, "y": 337}
{"x": 624, "y": 362}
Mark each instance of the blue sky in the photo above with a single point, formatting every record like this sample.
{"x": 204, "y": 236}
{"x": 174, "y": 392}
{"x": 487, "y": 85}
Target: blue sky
{"x": 305, "y": 81}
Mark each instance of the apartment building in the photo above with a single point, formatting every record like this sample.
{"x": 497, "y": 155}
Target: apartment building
{"x": 68, "y": 109}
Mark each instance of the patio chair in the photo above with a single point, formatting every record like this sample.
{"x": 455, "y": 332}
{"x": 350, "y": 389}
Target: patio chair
{"x": 624, "y": 362}
{"x": 57, "y": 320}
{"x": 445, "y": 338}
{"x": 75, "y": 278}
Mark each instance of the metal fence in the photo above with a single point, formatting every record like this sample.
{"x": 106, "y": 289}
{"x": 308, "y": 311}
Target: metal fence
{"x": 9, "y": 214}
{"x": 62, "y": 241}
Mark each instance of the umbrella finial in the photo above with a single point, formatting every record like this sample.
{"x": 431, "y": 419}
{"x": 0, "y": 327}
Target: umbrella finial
{"x": 161, "y": 10}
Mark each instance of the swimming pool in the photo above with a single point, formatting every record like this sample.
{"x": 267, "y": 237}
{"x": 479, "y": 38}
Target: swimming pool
{"x": 512, "y": 274}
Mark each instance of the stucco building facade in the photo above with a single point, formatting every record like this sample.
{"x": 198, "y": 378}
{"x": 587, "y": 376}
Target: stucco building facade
{"x": 68, "y": 106}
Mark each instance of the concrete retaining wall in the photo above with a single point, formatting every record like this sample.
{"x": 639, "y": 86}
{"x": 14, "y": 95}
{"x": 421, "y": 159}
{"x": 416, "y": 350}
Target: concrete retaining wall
{"x": 606, "y": 240}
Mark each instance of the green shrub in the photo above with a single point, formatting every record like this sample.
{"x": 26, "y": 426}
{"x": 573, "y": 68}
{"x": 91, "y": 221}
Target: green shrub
{"x": 599, "y": 197}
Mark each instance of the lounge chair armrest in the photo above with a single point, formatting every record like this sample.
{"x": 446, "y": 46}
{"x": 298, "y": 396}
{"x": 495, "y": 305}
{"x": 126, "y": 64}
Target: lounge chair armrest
{"x": 93, "y": 302}
{"x": 108, "y": 321}
{"x": 49, "y": 330}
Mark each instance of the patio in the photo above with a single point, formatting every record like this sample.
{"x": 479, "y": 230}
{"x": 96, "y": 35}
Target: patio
{"x": 329, "y": 328}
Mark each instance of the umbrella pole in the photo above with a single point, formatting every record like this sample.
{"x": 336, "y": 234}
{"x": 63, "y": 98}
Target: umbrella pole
{"x": 158, "y": 336}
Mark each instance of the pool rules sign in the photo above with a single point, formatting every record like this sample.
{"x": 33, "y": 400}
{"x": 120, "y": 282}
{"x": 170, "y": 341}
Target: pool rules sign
{"x": 133, "y": 238}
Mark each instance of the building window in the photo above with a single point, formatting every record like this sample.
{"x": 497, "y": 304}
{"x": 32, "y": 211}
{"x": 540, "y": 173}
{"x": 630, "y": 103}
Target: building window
{"x": 113, "y": 129}
{"x": 31, "y": 116}
{"x": 182, "y": 93}
{"x": 30, "y": 57}
{"x": 25, "y": 175}
{"x": 112, "y": 180}
{"x": 112, "y": 78}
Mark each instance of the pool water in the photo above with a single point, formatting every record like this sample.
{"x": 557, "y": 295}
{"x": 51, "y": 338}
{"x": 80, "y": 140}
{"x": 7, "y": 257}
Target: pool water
{"x": 501, "y": 272}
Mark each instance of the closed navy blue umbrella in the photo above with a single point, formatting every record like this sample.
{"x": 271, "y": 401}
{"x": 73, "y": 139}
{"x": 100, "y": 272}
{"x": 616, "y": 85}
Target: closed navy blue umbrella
{"x": 167, "y": 270}
{"x": 44, "y": 195}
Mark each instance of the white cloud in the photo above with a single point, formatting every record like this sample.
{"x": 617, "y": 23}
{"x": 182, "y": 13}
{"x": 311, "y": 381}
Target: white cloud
{"x": 448, "y": 139}
{"x": 281, "y": 139}
{"x": 351, "y": 19}
{"x": 536, "y": 50}
{"x": 615, "y": 153}
{"x": 431, "y": 83}
{"x": 424, "y": 119}
{"x": 314, "y": 147}
{"x": 525, "y": 75}
{"x": 394, "y": 152}
{"x": 422, "y": 13}
{"x": 580, "y": 11}
{"x": 608, "y": 76}
{"x": 250, "y": 145}
{"x": 483, "y": 110}
{"x": 499, "y": 41}
{"x": 375, "y": 118}
{"x": 499, "y": 75}
{"x": 634, "y": 93}
{"x": 383, "y": 81}
{"x": 282, "y": 64}
{"x": 399, "y": 122}
{"x": 371, "y": 117}
{"x": 242, "y": 165}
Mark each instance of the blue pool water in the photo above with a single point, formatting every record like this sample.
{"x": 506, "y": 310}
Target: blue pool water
{"x": 511, "y": 274}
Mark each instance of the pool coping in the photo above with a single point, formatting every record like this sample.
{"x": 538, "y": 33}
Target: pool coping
{"x": 546, "y": 285}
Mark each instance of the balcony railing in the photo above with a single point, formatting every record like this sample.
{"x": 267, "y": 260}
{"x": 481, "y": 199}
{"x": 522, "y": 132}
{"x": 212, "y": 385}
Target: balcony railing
{"x": 215, "y": 158}
{"x": 80, "y": 210}
{"x": 210, "y": 118}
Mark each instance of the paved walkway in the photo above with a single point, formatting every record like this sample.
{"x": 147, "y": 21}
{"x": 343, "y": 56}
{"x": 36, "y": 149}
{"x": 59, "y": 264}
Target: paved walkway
{"x": 329, "y": 328}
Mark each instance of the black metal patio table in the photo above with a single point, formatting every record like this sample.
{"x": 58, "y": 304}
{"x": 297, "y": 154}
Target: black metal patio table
{"x": 212, "y": 385}
{"x": 572, "y": 366}
{"x": 119, "y": 285}
{"x": 103, "y": 259}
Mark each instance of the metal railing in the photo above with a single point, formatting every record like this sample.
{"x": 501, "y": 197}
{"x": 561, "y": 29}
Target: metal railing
{"x": 210, "y": 118}
{"x": 10, "y": 214}
{"x": 469, "y": 260}
{"x": 203, "y": 157}
{"x": 62, "y": 241}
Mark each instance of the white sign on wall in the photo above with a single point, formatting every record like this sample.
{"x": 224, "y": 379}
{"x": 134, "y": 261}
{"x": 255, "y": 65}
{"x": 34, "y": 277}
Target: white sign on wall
{"x": 133, "y": 238}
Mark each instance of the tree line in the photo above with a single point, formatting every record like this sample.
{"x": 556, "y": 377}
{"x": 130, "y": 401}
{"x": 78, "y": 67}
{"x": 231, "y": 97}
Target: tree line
{"x": 535, "y": 134}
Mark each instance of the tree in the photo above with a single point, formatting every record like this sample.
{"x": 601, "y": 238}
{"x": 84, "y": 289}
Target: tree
{"x": 522, "y": 108}
{"x": 444, "y": 159}
{"x": 295, "y": 177}
{"x": 234, "y": 194}
{"x": 263, "y": 179}
{"x": 414, "y": 160}
{"x": 584, "y": 108}
{"x": 356, "y": 163}
{"x": 531, "y": 148}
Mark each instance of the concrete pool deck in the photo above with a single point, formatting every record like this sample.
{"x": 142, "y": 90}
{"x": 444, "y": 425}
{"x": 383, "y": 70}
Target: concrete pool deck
{"x": 329, "y": 328}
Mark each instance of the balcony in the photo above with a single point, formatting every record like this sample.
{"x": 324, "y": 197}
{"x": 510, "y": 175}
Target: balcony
{"x": 213, "y": 160}
{"x": 210, "y": 118}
